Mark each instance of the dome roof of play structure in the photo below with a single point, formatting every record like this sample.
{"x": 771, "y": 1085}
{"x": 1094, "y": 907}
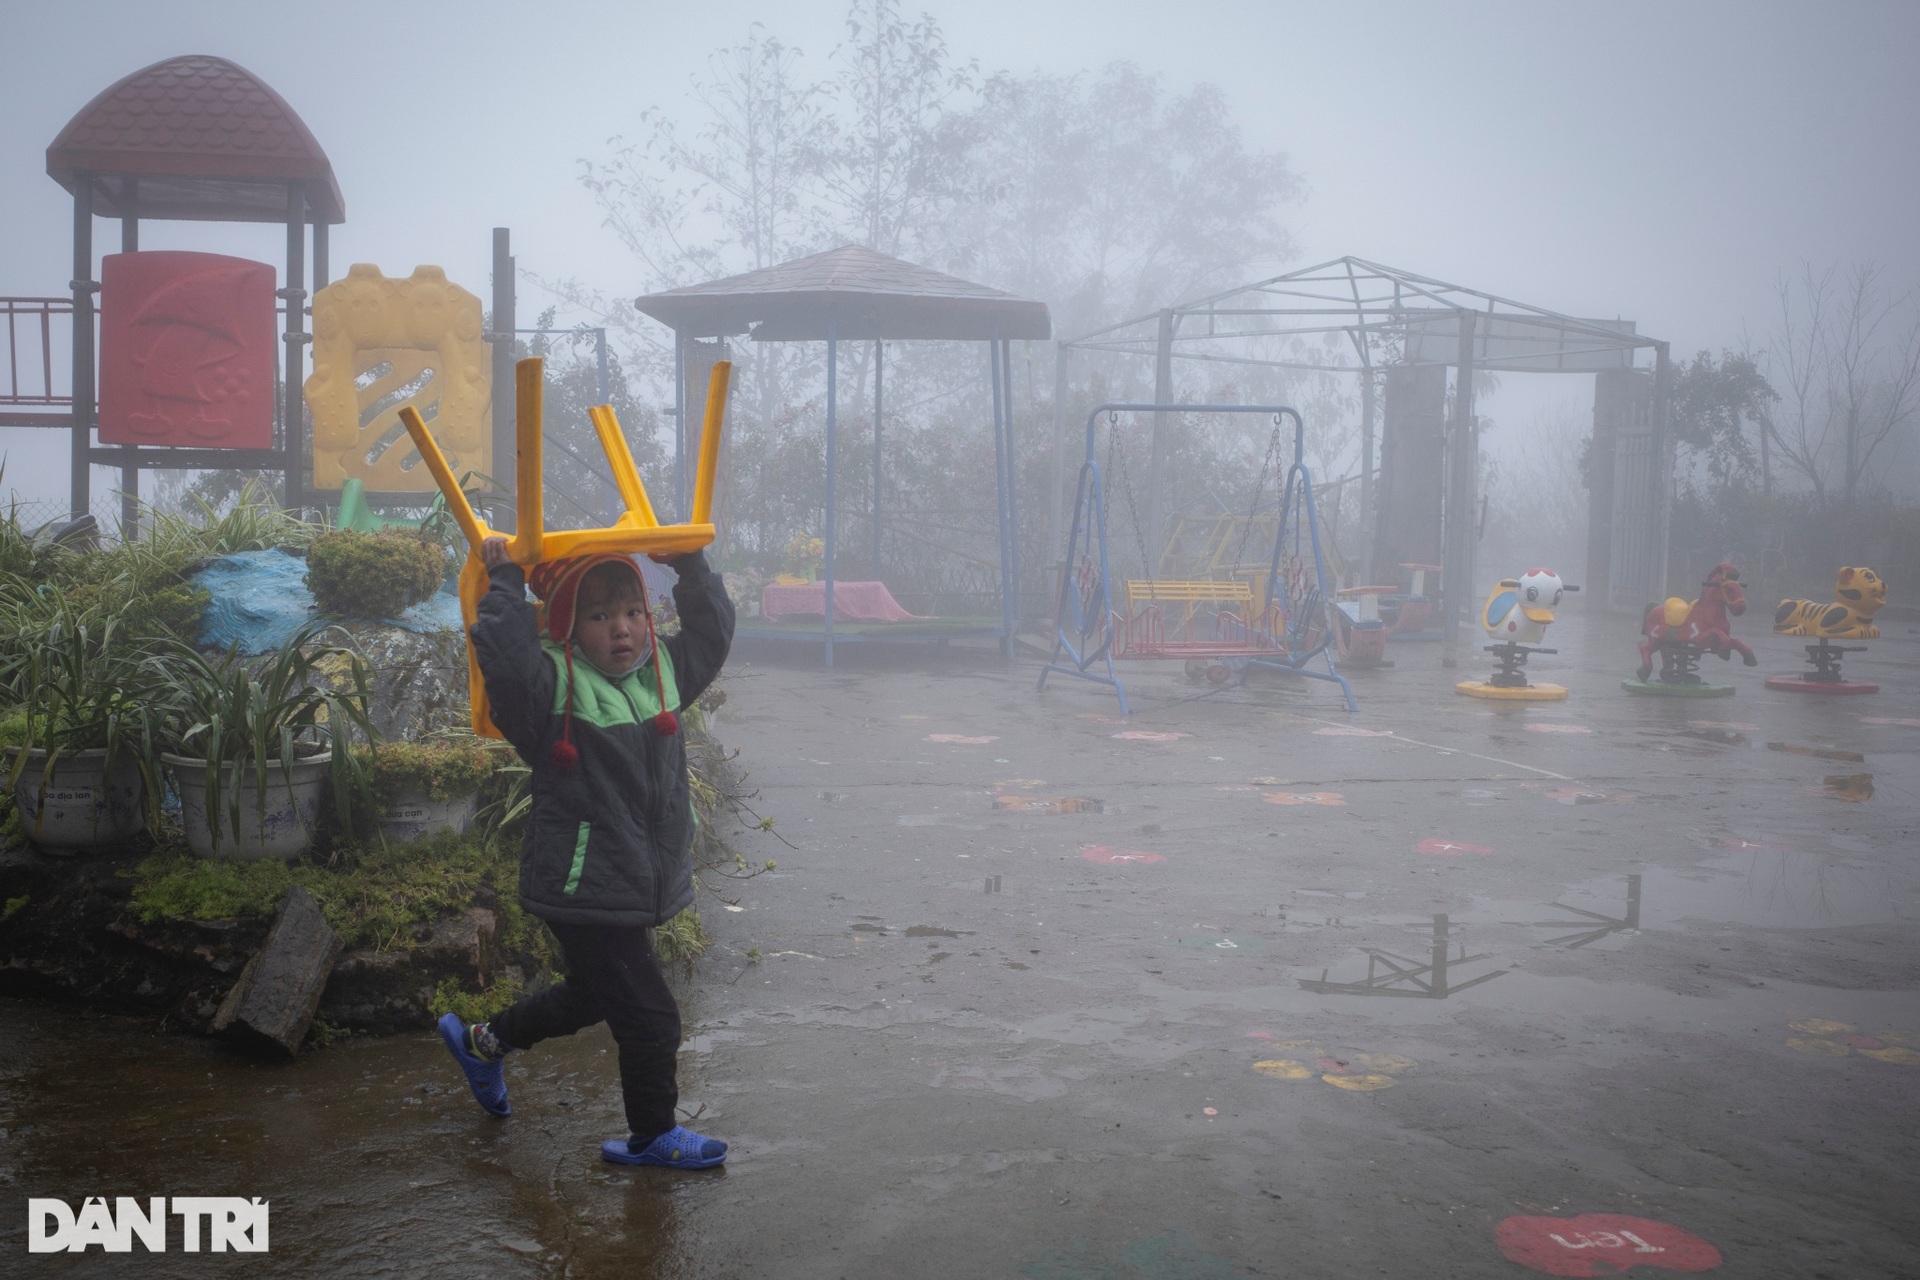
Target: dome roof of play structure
{"x": 194, "y": 138}
{"x": 863, "y": 293}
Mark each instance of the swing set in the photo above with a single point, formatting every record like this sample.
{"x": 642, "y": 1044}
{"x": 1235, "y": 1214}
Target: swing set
{"x": 1221, "y": 621}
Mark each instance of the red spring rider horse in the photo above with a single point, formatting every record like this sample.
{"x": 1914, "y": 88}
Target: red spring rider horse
{"x": 1680, "y": 632}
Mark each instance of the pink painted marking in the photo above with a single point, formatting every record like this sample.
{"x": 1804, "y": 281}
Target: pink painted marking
{"x": 1148, "y": 735}
{"x": 1905, "y": 722}
{"x": 1602, "y": 1244}
{"x": 1107, "y": 855}
{"x": 1449, "y": 848}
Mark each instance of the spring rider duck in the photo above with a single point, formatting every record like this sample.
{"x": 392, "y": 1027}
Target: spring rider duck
{"x": 1517, "y": 615}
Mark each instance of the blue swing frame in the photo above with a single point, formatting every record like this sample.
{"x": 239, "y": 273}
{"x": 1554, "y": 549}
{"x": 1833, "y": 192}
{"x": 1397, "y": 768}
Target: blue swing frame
{"x": 1088, "y": 532}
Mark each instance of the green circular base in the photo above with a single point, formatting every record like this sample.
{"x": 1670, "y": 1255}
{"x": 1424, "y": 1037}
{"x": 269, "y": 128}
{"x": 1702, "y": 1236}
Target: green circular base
{"x": 1661, "y": 689}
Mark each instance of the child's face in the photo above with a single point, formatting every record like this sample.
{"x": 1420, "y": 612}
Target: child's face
{"x": 610, "y": 623}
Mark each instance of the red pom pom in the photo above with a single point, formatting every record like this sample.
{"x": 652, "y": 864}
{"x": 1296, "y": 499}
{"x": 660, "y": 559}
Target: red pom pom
{"x": 565, "y": 754}
{"x": 666, "y": 724}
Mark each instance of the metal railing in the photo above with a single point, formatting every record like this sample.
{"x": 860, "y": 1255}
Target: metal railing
{"x": 33, "y": 319}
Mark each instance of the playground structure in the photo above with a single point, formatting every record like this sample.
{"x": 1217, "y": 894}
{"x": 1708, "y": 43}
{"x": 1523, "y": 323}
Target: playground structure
{"x": 1517, "y": 614}
{"x": 853, "y": 293}
{"x": 1859, "y": 594}
{"x": 1681, "y": 632}
{"x": 1397, "y": 333}
{"x": 638, "y": 531}
{"x": 1220, "y": 623}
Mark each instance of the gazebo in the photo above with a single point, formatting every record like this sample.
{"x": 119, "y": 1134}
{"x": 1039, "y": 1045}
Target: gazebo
{"x": 200, "y": 139}
{"x": 856, "y": 294}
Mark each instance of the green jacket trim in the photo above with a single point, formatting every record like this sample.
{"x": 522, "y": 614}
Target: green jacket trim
{"x": 579, "y": 858}
{"x": 605, "y": 701}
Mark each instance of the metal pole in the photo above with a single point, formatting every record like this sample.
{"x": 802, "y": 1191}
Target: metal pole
{"x": 680, "y": 424}
{"x": 504, "y": 446}
{"x": 1456, "y": 582}
{"x": 130, "y": 243}
{"x": 1366, "y": 459}
{"x": 1013, "y": 489}
{"x": 293, "y": 411}
{"x": 1057, "y": 471}
{"x": 80, "y": 489}
{"x": 833, "y": 410}
{"x": 602, "y": 394}
{"x": 1162, "y": 394}
{"x": 879, "y": 370}
{"x": 322, "y": 255}
{"x": 1661, "y": 477}
{"x": 1000, "y": 469}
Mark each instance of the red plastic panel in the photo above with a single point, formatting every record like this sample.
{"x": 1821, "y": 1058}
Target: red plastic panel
{"x": 186, "y": 350}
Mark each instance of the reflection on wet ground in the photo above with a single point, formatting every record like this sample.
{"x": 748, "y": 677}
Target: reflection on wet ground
{"x": 1654, "y": 976}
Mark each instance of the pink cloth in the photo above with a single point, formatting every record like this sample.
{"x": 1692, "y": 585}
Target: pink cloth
{"x": 852, "y": 602}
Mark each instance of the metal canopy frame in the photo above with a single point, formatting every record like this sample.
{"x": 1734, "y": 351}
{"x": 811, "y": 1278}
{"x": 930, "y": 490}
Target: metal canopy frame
{"x": 1386, "y": 316}
{"x": 855, "y": 293}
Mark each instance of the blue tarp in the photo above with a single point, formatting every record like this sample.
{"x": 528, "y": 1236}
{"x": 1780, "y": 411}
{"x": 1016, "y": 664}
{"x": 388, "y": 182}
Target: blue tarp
{"x": 260, "y": 598}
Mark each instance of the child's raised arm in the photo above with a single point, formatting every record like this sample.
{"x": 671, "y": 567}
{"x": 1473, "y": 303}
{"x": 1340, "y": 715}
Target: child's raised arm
{"x": 706, "y": 626}
{"x": 506, "y": 640}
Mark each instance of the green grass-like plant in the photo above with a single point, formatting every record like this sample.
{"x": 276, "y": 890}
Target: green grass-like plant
{"x": 439, "y": 768}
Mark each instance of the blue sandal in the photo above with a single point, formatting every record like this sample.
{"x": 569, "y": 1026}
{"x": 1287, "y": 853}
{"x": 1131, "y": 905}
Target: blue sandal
{"x": 487, "y": 1077}
{"x": 677, "y": 1148}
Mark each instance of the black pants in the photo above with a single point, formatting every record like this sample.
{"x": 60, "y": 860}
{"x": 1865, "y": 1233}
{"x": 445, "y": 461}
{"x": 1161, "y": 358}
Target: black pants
{"x": 612, "y": 977}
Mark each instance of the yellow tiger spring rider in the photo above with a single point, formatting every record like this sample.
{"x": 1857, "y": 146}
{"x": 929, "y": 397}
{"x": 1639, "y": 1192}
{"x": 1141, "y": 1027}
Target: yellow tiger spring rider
{"x": 1858, "y": 595}
{"x": 638, "y": 532}
{"x": 1517, "y": 616}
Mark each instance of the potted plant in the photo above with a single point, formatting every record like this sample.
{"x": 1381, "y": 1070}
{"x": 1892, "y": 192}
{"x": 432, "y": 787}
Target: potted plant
{"x": 85, "y": 710}
{"x": 420, "y": 788}
{"x": 253, "y": 746}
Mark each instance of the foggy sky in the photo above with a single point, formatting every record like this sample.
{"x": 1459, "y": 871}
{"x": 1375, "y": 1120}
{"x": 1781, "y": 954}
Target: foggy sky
{"x": 1657, "y": 162}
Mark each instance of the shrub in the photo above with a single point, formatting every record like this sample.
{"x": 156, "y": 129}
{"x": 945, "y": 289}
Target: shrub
{"x": 442, "y": 769}
{"x": 373, "y": 575}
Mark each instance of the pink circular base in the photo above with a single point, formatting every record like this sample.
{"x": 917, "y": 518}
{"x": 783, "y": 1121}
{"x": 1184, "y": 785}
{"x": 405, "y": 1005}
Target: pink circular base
{"x": 1799, "y": 684}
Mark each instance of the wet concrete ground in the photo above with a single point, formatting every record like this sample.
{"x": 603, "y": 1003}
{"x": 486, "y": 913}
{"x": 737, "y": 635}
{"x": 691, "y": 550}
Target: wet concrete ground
{"x": 1272, "y": 991}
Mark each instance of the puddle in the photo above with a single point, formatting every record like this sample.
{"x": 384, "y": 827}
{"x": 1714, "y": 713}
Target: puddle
{"x": 1582, "y": 795}
{"x": 1850, "y": 787}
{"x": 1724, "y": 737}
{"x": 1772, "y": 889}
{"x": 1332, "y": 893}
{"x": 935, "y": 931}
{"x": 835, "y": 797}
{"x": 1819, "y": 753}
{"x": 1048, "y": 804}
{"x": 1328, "y": 798}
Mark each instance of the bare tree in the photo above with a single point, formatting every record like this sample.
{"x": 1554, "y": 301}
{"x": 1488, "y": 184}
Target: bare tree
{"x": 1847, "y": 353}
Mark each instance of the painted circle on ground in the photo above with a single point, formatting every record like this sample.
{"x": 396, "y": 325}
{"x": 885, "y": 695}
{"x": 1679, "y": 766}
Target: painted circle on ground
{"x": 1449, "y": 848}
{"x": 1149, "y": 735}
{"x": 1385, "y": 1061}
{"x": 1350, "y": 731}
{"x": 1558, "y": 728}
{"x": 962, "y": 739}
{"x": 1107, "y": 855}
{"x": 1304, "y": 797}
{"x": 1895, "y": 1054}
{"x": 1283, "y": 1069}
{"x": 1602, "y": 1244}
{"x": 1819, "y": 1026}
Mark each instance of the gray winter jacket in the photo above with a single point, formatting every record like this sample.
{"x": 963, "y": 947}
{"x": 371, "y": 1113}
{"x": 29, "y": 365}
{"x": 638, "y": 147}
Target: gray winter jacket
{"x": 609, "y": 841}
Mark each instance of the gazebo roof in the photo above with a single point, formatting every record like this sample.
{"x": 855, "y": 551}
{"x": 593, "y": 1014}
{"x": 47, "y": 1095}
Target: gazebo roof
{"x": 194, "y": 138}
{"x": 863, "y": 293}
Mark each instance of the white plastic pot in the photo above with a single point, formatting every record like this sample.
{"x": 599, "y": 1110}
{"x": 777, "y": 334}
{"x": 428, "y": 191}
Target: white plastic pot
{"x": 411, "y": 815}
{"x": 283, "y": 827}
{"x": 79, "y": 807}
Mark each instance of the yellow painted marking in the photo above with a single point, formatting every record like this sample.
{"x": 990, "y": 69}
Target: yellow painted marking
{"x": 1360, "y": 1084}
{"x": 1819, "y": 1026}
{"x": 1385, "y": 1061}
{"x": 1283, "y": 1069}
{"x": 1905, "y": 1057}
{"x": 1811, "y": 1044}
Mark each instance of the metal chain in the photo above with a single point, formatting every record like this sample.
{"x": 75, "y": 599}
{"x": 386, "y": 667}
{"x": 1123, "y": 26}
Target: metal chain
{"x": 1126, "y": 485}
{"x": 1259, "y": 488}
